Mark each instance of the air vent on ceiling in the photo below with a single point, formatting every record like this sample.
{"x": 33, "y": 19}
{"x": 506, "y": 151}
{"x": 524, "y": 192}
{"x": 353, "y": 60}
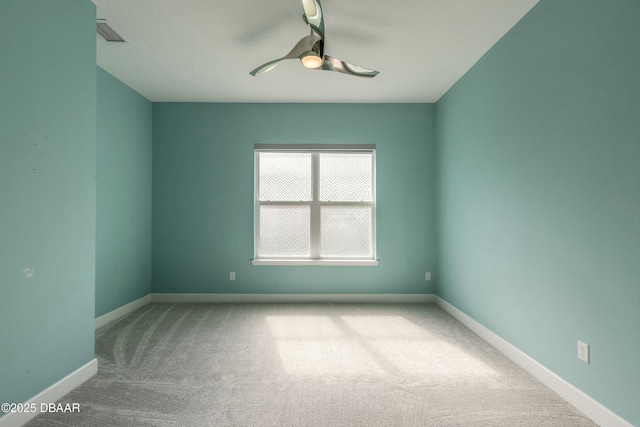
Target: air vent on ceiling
{"x": 107, "y": 33}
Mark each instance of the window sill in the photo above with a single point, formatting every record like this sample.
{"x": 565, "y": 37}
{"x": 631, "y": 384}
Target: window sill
{"x": 317, "y": 262}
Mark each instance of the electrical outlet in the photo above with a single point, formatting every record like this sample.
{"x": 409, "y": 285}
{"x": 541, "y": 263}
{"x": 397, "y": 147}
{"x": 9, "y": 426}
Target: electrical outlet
{"x": 427, "y": 276}
{"x": 583, "y": 351}
{"x": 232, "y": 275}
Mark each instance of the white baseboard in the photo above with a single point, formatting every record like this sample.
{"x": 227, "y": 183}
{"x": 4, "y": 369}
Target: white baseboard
{"x": 290, "y": 298}
{"x": 262, "y": 298}
{"x": 119, "y": 312}
{"x": 56, "y": 392}
{"x": 588, "y": 405}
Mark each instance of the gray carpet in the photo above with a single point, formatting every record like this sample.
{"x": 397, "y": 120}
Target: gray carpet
{"x": 304, "y": 365}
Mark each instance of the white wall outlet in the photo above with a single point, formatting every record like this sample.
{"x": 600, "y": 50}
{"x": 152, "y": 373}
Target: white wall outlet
{"x": 583, "y": 351}
{"x": 232, "y": 275}
{"x": 427, "y": 276}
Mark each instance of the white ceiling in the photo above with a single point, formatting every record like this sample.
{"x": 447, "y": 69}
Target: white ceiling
{"x": 203, "y": 50}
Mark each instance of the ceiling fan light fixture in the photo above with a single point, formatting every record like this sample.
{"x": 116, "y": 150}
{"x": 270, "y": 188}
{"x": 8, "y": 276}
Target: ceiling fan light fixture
{"x": 311, "y": 60}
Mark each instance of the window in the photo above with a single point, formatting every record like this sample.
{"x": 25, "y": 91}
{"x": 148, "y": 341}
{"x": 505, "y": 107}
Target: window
{"x": 315, "y": 205}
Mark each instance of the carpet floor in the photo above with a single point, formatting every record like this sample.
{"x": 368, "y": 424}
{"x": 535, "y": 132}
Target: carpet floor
{"x": 304, "y": 365}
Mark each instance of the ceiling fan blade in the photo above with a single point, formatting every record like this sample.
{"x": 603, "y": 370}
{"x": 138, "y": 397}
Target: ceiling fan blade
{"x": 335, "y": 64}
{"x": 313, "y": 16}
{"x": 304, "y": 45}
{"x": 266, "y": 67}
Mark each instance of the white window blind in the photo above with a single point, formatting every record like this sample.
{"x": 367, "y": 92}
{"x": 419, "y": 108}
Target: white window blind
{"x": 315, "y": 205}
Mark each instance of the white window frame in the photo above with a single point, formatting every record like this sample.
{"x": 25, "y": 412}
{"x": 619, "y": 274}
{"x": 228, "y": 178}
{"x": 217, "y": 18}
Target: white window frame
{"x": 315, "y": 205}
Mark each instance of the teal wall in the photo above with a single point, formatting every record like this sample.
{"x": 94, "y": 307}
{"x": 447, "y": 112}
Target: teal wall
{"x": 203, "y": 195}
{"x": 538, "y": 183}
{"x": 123, "y": 222}
{"x": 529, "y": 164}
{"x": 47, "y": 192}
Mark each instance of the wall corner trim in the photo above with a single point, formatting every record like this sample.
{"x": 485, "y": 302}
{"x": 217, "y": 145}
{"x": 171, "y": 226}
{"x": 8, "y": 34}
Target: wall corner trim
{"x": 583, "y": 402}
{"x": 122, "y": 311}
{"x": 56, "y": 392}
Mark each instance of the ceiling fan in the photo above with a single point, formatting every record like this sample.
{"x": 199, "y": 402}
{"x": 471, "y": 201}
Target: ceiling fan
{"x": 310, "y": 49}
